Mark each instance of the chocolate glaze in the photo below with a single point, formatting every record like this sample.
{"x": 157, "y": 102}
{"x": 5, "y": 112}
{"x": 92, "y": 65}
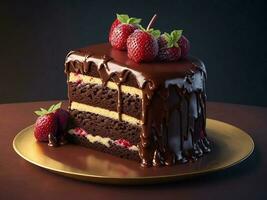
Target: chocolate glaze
{"x": 57, "y": 140}
{"x": 158, "y": 81}
{"x": 53, "y": 140}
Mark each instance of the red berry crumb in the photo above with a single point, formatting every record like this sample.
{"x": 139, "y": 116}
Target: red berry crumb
{"x": 123, "y": 142}
{"x": 80, "y": 131}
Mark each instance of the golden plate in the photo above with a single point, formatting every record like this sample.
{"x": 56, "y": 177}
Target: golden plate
{"x": 230, "y": 146}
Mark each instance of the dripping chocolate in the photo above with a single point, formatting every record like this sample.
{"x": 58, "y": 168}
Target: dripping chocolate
{"x": 170, "y": 97}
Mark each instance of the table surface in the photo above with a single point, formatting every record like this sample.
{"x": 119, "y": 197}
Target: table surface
{"x": 22, "y": 180}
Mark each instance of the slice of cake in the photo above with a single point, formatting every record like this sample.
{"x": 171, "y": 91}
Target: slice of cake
{"x": 153, "y": 113}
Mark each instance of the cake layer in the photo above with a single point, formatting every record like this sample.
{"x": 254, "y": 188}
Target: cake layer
{"x": 74, "y": 77}
{"x": 104, "y": 97}
{"x": 121, "y": 148}
{"x": 76, "y": 68}
{"x": 98, "y": 124}
{"x": 104, "y": 112}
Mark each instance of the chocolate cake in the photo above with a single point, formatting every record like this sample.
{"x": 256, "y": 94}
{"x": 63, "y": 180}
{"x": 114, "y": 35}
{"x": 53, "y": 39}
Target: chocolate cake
{"x": 154, "y": 113}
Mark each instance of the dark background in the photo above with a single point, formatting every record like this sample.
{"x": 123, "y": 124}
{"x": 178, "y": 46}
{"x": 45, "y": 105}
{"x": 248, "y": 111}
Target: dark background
{"x": 229, "y": 36}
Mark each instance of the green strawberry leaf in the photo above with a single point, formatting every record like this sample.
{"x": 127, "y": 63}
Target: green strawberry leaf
{"x": 167, "y": 36}
{"x": 173, "y": 38}
{"x": 122, "y": 18}
{"x": 38, "y": 112}
{"x": 134, "y": 21}
{"x": 52, "y": 108}
{"x": 43, "y": 110}
{"x": 57, "y": 106}
{"x": 176, "y": 35}
{"x": 125, "y": 19}
{"x": 141, "y": 27}
{"x": 155, "y": 33}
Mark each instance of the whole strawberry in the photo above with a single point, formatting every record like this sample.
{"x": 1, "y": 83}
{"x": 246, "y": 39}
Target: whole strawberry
{"x": 169, "y": 49}
{"x": 184, "y": 44}
{"x": 46, "y": 124}
{"x": 142, "y": 44}
{"x": 120, "y": 30}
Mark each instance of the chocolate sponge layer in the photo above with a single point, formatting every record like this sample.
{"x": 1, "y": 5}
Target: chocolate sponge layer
{"x": 106, "y": 127}
{"x": 104, "y": 97}
{"x": 113, "y": 149}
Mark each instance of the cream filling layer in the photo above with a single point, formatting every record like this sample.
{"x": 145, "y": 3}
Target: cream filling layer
{"x": 104, "y": 112}
{"x": 102, "y": 140}
{"x": 73, "y": 77}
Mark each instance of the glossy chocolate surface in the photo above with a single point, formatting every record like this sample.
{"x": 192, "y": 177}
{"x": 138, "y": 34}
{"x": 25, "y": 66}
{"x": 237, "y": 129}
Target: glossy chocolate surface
{"x": 156, "y": 72}
{"x": 173, "y": 101}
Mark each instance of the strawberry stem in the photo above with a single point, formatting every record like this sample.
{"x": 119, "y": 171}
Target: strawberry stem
{"x": 151, "y": 22}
